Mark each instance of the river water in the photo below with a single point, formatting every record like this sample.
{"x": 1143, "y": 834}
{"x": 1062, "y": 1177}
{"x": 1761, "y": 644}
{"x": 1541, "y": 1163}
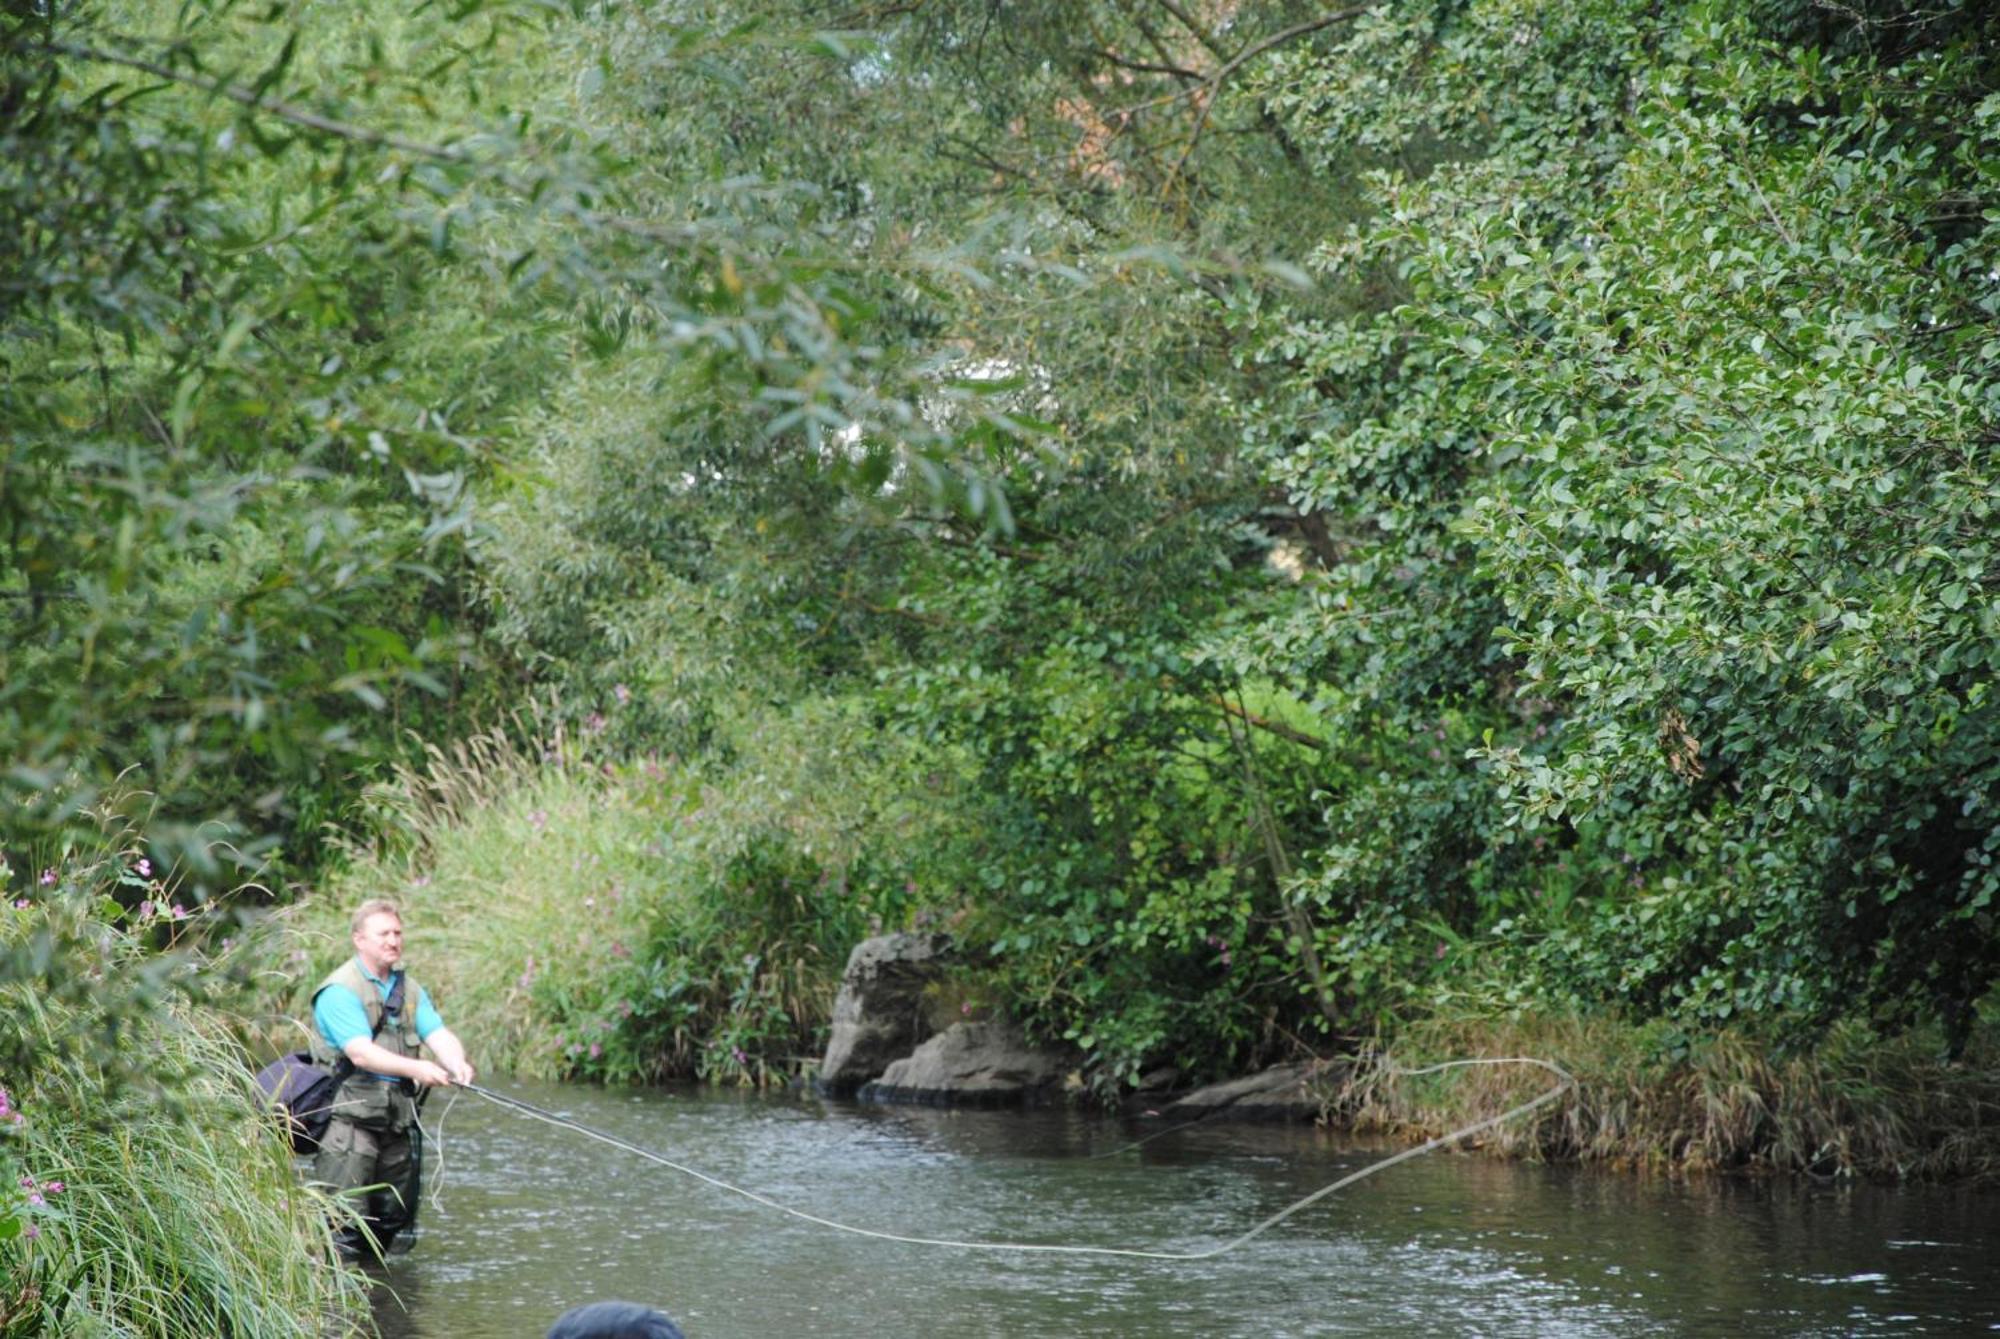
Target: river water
{"x": 523, "y": 1220}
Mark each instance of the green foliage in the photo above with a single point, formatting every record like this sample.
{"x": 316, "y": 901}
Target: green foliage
{"x": 635, "y": 922}
{"x": 148, "y": 1194}
{"x": 1259, "y": 526}
{"x": 287, "y": 276}
{"x": 1698, "y": 413}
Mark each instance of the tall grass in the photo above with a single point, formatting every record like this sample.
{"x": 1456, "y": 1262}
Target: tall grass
{"x": 179, "y": 1214}
{"x": 1859, "y": 1104}
{"x": 630, "y": 922}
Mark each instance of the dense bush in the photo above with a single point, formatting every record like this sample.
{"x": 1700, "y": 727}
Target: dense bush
{"x": 1685, "y": 412}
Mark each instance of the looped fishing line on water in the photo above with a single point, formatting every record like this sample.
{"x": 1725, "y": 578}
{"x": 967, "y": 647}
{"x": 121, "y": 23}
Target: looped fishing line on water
{"x": 1563, "y": 1085}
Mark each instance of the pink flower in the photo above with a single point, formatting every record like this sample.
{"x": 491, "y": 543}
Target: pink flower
{"x": 180, "y": 912}
{"x": 27, "y": 1183}
{"x": 48, "y": 878}
{"x": 35, "y": 1201}
{"x": 31, "y": 1231}
{"x": 595, "y": 1050}
{"x": 22, "y": 904}
{"x": 54, "y": 1187}
{"x": 146, "y": 910}
{"x": 145, "y": 868}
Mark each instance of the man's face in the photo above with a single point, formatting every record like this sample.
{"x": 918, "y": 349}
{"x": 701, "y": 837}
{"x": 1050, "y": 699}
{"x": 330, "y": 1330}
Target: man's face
{"x": 379, "y": 942}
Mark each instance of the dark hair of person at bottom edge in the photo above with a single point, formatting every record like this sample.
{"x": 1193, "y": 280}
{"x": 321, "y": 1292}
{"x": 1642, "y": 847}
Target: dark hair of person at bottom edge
{"x": 614, "y": 1320}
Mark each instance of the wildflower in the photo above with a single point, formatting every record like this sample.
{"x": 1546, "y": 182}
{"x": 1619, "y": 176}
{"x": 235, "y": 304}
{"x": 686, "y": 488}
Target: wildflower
{"x": 53, "y": 1187}
{"x": 1443, "y": 948}
{"x": 48, "y": 878}
{"x": 596, "y": 1050}
{"x": 618, "y": 949}
{"x": 22, "y": 904}
{"x": 180, "y": 913}
{"x": 593, "y": 723}
{"x": 622, "y": 693}
{"x": 737, "y": 1052}
{"x": 31, "y": 1231}
{"x": 145, "y": 868}
{"x": 624, "y": 1008}
{"x": 146, "y": 910}
{"x": 27, "y": 1183}
{"x": 35, "y": 1200}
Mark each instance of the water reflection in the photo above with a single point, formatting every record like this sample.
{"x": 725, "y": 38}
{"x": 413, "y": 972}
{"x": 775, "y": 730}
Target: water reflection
{"x": 533, "y": 1220}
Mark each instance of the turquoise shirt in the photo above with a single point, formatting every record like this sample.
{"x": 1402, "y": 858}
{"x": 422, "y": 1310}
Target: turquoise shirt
{"x": 341, "y": 1017}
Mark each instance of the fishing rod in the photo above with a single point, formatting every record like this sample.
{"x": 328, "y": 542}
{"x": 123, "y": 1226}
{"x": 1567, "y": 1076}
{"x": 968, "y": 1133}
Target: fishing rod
{"x": 1563, "y": 1085}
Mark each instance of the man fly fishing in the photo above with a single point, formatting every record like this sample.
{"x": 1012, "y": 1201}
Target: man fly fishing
{"x": 371, "y": 1014}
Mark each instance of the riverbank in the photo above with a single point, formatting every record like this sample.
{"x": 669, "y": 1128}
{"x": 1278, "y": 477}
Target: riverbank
{"x": 1856, "y": 1105}
{"x": 664, "y": 923}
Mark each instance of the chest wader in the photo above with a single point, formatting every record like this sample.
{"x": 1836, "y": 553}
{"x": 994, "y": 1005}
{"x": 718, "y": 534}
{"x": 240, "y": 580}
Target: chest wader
{"x": 373, "y": 1147}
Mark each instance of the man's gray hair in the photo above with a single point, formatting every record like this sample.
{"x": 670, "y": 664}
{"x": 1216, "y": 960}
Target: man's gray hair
{"x": 374, "y": 906}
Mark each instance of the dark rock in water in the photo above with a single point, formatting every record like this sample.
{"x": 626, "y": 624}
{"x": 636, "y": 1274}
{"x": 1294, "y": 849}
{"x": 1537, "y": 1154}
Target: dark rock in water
{"x": 983, "y": 1064}
{"x": 879, "y": 1014}
{"x": 1281, "y": 1093}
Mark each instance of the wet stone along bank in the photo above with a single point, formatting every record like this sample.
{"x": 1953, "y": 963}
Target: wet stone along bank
{"x": 888, "y": 1045}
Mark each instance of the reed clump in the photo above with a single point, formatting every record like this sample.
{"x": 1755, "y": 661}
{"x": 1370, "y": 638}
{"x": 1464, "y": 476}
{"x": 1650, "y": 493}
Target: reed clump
{"x": 157, "y": 1199}
{"x": 1857, "y": 1104}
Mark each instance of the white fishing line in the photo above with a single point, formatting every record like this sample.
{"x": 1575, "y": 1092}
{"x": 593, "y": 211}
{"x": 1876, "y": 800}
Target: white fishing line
{"x": 1564, "y": 1084}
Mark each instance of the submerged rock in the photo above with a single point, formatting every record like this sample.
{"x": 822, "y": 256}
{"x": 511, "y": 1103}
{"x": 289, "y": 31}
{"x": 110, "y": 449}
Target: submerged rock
{"x": 1281, "y": 1093}
{"x": 970, "y": 1064}
{"x": 879, "y": 1014}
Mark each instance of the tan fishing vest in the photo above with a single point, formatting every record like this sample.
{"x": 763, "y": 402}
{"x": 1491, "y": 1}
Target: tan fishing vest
{"x": 363, "y": 1097}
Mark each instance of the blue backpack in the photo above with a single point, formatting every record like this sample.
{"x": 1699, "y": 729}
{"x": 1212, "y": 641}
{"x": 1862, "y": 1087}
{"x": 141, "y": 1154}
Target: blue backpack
{"x": 304, "y": 1090}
